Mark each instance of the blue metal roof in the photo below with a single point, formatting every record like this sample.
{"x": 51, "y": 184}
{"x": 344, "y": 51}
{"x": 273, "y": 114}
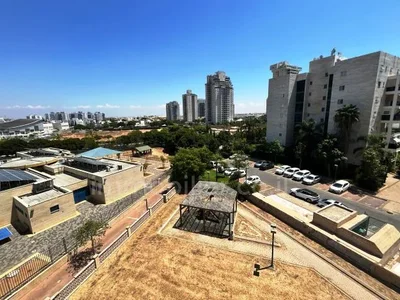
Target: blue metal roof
{"x": 98, "y": 152}
{"x": 5, "y": 233}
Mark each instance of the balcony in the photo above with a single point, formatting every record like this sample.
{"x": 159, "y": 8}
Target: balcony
{"x": 385, "y": 118}
{"x": 391, "y": 89}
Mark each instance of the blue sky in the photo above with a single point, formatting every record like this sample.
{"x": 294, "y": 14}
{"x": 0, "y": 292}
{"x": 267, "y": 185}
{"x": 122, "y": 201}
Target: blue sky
{"x": 128, "y": 58}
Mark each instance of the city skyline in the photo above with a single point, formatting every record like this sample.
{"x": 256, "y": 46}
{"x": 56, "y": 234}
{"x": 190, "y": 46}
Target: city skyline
{"x": 56, "y": 56}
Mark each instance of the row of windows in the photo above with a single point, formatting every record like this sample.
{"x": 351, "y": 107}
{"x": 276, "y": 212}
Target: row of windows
{"x": 325, "y": 86}
{"x": 339, "y": 101}
{"x": 341, "y": 88}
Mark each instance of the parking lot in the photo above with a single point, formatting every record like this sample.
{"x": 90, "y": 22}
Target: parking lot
{"x": 278, "y": 184}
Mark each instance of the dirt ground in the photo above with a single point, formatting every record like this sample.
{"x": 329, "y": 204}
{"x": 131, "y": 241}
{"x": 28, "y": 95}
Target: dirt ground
{"x": 102, "y": 133}
{"x": 154, "y": 266}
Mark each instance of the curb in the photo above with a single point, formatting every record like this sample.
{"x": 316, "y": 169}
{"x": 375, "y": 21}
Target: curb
{"x": 366, "y": 286}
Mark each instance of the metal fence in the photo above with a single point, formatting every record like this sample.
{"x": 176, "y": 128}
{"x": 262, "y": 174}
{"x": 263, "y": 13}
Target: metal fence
{"x": 110, "y": 249}
{"x": 16, "y": 278}
{"x": 157, "y": 204}
{"x": 25, "y": 272}
{"x": 76, "y": 281}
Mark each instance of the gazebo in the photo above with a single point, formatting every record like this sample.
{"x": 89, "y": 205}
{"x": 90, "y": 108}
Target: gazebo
{"x": 210, "y": 209}
{"x": 141, "y": 150}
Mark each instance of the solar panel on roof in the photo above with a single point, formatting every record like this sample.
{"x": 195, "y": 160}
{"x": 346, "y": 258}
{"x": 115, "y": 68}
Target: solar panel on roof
{"x": 15, "y": 175}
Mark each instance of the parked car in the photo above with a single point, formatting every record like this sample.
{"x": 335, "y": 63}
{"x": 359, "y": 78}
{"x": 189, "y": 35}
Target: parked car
{"x": 229, "y": 171}
{"x": 311, "y": 179}
{"x": 258, "y": 164}
{"x": 326, "y": 202}
{"x": 282, "y": 169}
{"x": 220, "y": 169}
{"x": 266, "y": 165}
{"x": 253, "y": 179}
{"x": 299, "y": 175}
{"x": 305, "y": 194}
{"x": 239, "y": 173}
{"x": 339, "y": 186}
{"x": 290, "y": 172}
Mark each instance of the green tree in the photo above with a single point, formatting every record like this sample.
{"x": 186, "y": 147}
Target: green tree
{"x": 328, "y": 154}
{"x": 299, "y": 152}
{"x": 345, "y": 118}
{"x": 189, "y": 164}
{"x": 163, "y": 161}
{"x": 92, "y": 231}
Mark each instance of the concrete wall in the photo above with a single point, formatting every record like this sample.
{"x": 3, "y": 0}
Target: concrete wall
{"x": 359, "y": 241}
{"x": 123, "y": 183}
{"x": 6, "y": 203}
{"x": 295, "y": 220}
{"x": 76, "y": 186}
{"x": 22, "y": 215}
{"x": 42, "y": 218}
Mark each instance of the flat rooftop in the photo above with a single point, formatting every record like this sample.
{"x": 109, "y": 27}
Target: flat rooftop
{"x": 28, "y": 163}
{"x": 335, "y": 212}
{"x": 63, "y": 179}
{"x": 33, "y": 199}
{"x": 223, "y": 199}
{"x": 100, "y": 167}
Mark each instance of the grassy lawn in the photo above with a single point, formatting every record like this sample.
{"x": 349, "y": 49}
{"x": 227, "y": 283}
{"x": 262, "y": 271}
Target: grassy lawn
{"x": 211, "y": 176}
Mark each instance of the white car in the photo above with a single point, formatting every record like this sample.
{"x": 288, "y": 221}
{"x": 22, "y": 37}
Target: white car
{"x": 290, "y": 172}
{"x": 253, "y": 179}
{"x": 241, "y": 172}
{"x": 311, "y": 179}
{"x": 229, "y": 171}
{"x": 326, "y": 202}
{"x": 281, "y": 169}
{"x": 339, "y": 186}
{"x": 299, "y": 175}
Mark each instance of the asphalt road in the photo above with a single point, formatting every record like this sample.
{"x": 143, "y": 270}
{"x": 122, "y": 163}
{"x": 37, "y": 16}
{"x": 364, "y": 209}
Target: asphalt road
{"x": 285, "y": 184}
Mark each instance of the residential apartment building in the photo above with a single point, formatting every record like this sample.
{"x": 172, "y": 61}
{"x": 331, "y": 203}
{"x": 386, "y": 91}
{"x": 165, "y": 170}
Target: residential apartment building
{"x": 201, "y": 108}
{"x": 219, "y": 99}
{"x": 369, "y": 81}
{"x": 190, "y": 107}
{"x": 172, "y": 110}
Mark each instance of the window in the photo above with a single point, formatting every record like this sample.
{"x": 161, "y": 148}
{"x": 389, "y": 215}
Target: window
{"x": 308, "y": 115}
{"x": 340, "y": 101}
{"x": 324, "y": 98}
{"x": 321, "y": 120}
{"x": 343, "y": 73}
{"x": 325, "y": 86}
{"x": 309, "y": 104}
{"x": 310, "y": 82}
{"x": 379, "y": 84}
{"x": 309, "y": 94}
{"x": 31, "y": 213}
{"x": 341, "y": 88}
{"x": 326, "y": 74}
{"x": 280, "y": 134}
{"x": 323, "y": 109}
{"x": 283, "y": 95}
{"x": 54, "y": 209}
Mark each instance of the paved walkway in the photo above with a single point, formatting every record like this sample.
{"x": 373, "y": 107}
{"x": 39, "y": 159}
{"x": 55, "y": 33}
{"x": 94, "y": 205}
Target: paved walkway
{"x": 292, "y": 252}
{"x": 56, "y": 279}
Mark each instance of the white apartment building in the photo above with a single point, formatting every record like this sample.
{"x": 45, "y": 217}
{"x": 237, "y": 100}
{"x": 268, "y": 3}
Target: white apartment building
{"x": 190, "y": 107}
{"x": 219, "y": 99}
{"x": 172, "y": 110}
{"x": 60, "y": 126}
{"x": 371, "y": 82}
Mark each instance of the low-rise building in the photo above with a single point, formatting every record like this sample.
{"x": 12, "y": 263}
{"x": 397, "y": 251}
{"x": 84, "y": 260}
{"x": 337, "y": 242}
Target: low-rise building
{"x": 61, "y": 126}
{"x": 21, "y": 128}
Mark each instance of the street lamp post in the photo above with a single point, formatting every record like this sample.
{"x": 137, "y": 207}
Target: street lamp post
{"x": 336, "y": 167}
{"x": 273, "y": 231}
{"x": 257, "y": 267}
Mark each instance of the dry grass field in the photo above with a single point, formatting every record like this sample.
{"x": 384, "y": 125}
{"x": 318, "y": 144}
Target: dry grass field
{"x": 154, "y": 266}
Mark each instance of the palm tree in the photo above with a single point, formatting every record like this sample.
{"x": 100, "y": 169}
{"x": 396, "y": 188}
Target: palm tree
{"x": 345, "y": 118}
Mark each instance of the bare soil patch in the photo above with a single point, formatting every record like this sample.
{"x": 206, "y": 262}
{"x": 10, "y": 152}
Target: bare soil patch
{"x": 154, "y": 266}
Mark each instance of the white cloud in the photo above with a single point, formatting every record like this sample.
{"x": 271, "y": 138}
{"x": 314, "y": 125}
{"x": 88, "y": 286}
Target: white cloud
{"x": 249, "y": 107}
{"x": 28, "y": 107}
{"x": 147, "y": 106}
{"x": 108, "y": 106}
{"x": 83, "y": 106}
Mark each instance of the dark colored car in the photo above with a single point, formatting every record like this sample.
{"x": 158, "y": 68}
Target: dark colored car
{"x": 266, "y": 165}
{"x": 259, "y": 163}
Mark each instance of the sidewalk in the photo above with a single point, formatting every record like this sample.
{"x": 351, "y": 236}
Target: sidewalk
{"x": 58, "y": 278}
